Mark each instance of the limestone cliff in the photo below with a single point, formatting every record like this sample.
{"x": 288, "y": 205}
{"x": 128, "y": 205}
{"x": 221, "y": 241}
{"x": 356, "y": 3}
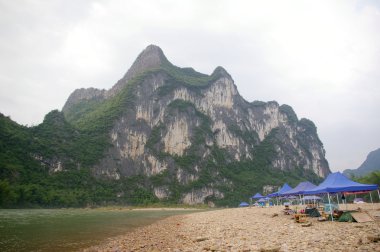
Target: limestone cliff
{"x": 180, "y": 127}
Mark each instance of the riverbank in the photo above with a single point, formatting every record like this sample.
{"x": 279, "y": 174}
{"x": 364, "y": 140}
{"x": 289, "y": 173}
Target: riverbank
{"x": 246, "y": 229}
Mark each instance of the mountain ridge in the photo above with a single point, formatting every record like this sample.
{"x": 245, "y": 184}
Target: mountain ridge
{"x": 370, "y": 164}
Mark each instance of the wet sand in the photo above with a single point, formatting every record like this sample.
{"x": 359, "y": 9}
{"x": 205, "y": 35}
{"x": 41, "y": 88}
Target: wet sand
{"x": 248, "y": 229}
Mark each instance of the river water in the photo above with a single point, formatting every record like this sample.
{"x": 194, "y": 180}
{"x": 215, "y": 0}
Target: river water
{"x": 70, "y": 229}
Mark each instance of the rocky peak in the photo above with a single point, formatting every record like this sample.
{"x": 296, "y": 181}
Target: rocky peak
{"x": 220, "y": 71}
{"x": 152, "y": 57}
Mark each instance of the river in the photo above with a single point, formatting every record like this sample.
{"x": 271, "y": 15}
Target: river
{"x": 70, "y": 229}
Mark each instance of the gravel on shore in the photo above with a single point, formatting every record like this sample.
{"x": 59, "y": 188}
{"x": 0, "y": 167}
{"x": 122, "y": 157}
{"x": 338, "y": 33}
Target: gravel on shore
{"x": 247, "y": 229}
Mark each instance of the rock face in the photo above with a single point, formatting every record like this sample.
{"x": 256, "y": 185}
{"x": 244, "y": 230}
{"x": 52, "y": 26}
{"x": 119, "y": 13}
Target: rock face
{"x": 180, "y": 119}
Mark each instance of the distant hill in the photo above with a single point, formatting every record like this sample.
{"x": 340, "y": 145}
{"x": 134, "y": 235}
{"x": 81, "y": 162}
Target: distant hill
{"x": 372, "y": 163}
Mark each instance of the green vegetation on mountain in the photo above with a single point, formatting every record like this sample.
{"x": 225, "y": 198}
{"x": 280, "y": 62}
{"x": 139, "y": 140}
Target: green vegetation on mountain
{"x": 370, "y": 178}
{"x": 308, "y": 125}
{"x": 191, "y": 77}
{"x": 24, "y": 178}
{"x": 186, "y": 75}
{"x": 286, "y": 109}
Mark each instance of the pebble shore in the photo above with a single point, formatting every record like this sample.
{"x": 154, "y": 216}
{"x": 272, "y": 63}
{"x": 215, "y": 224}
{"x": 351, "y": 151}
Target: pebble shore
{"x": 247, "y": 229}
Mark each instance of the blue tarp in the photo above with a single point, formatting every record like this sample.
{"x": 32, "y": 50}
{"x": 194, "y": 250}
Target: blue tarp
{"x": 300, "y": 188}
{"x": 243, "y": 204}
{"x": 258, "y": 196}
{"x": 337, "y": 182}
{"x": 283, "y": 189}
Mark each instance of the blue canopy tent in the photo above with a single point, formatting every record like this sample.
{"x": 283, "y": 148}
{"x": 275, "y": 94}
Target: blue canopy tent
{"x": 336, "y": 182}
{"x": 299, "y": 189}
{"x": 258, "y": 196}
{"x": 243, "y": 204}
{"x": 283, "y": 189}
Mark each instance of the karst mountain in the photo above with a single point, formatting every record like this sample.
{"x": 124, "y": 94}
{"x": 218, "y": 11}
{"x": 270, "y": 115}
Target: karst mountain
{"x": 161, "y": 133}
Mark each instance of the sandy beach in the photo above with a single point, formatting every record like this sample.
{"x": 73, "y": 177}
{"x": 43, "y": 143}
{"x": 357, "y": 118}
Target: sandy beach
{"x": 248, "y": 229}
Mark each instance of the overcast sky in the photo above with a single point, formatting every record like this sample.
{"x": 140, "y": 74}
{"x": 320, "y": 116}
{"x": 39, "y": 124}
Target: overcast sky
{"x": 320, "y": 57}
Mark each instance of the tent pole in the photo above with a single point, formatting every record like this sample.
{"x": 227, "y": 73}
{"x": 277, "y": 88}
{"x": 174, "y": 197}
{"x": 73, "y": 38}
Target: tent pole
{"x": 328, "y": 196}
{"x": 378, "y": 194}
{"x": 345, "y": 201}
{"x": 337, "y": 199}
{"x": 370, "y": 195}
{"x": 299, "y": 195}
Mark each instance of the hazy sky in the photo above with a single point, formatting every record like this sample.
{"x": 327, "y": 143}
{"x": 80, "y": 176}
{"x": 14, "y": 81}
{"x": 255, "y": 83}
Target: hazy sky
{"x": 320, "y": 57}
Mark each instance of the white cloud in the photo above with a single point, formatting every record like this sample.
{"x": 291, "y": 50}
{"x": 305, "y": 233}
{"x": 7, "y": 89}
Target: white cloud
{"x": 321, "y": 57}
